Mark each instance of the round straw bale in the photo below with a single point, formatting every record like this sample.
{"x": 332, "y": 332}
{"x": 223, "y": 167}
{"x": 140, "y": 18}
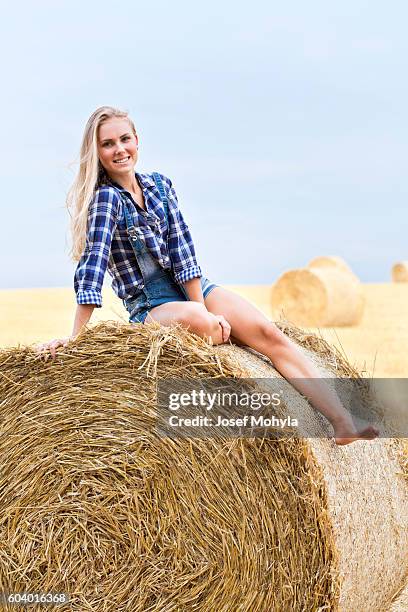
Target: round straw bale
{"x": 329, "y": 261}
{"x": 333, "y": 261}
{"x": 95, "y": 503}
{"x": 318, "y": 297}
{"x": 400, "y": 272}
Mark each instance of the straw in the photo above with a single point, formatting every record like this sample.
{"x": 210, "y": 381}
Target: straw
{"x": 96, "y": 504}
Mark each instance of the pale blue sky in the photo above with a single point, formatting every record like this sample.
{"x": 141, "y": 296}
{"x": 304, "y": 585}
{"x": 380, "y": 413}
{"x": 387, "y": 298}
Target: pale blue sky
{"x": 282, "y": 126}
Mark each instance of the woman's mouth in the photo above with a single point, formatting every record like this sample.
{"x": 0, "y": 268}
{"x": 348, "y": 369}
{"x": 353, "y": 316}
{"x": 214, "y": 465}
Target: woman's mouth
{"x": 122, "y": 160}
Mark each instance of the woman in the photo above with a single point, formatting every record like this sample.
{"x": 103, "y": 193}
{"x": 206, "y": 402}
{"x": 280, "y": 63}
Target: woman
{"x": 130, "y": 224}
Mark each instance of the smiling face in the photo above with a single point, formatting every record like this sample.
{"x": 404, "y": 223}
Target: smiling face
{"x": 117, "y": 148}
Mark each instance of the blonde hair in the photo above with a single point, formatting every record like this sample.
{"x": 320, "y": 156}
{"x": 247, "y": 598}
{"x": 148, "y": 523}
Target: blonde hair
{"x": 90, "y": 176}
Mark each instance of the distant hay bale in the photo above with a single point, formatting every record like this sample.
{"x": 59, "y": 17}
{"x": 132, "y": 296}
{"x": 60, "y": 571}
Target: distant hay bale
{"x": 95, "y": 503}
{"x": 330, "y": 261}
{"x": 400, "y": 272}
{"x": 317, "y": 297}
{"x": 325, "y": 294}
{"x": 334, "y": 261}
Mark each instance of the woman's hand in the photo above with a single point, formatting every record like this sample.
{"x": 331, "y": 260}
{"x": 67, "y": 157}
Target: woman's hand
{"x": 50, "y": 347}
{"x": 225, "y": 326}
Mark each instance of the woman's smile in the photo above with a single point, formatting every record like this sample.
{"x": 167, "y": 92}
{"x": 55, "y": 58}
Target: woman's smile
{"x": 122, "y": 160}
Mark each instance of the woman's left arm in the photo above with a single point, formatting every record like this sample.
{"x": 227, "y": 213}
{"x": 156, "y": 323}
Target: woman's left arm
{"x": 182, "y": 254}
{"x": 194, "y": 291}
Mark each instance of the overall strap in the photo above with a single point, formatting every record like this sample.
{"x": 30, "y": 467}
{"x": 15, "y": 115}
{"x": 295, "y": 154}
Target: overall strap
{"x": 159, "y": 184}
{"x": 129, "y": 221}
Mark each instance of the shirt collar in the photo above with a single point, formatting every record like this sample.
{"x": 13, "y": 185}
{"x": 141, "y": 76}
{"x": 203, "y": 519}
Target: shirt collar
{"x": 144, "y": 180}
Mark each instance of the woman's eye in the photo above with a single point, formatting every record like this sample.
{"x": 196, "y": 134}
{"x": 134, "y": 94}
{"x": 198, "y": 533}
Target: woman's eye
{"x": 126, "y": 138}
{"x": 106, "y": 144}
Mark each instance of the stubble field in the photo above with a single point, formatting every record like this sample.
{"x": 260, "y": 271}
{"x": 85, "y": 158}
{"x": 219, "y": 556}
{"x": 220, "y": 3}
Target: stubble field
{"x": 378, "y": 345}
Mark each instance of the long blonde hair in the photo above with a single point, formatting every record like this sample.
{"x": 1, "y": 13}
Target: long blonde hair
{"x": 90, "y": 176}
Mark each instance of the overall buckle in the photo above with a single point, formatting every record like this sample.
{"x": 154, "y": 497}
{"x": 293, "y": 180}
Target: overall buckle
{"x": 132, "y": 233}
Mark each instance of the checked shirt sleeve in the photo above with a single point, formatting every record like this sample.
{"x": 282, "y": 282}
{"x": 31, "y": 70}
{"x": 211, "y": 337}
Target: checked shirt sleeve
{"x": 91, "y": 268}
{"x": 181, "y": 247}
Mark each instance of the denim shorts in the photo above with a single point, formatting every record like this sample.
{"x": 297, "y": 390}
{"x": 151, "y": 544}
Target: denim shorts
{"x": 159, "y": 291}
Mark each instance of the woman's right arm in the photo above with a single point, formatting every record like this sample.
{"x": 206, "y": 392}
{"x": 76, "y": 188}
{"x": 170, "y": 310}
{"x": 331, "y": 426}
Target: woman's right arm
{"x": 82, "y": 315}
{"x": 91, "y": 268}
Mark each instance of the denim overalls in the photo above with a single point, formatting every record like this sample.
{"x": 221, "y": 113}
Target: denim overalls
{"x": 159, "y": 285}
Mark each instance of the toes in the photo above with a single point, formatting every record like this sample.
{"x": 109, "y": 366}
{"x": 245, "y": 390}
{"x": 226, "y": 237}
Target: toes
{"x": 370, "y": 432}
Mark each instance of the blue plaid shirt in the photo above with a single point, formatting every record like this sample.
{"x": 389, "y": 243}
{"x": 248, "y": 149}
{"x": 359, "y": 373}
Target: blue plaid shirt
{"x": 108, "y": 246}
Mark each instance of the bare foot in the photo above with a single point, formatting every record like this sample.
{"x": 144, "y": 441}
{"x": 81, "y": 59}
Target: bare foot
{"x": 346, "y": 434}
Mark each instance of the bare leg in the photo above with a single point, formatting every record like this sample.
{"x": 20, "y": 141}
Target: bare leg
{"x": 191, "y": 315}
{"x": 252, "y": 328}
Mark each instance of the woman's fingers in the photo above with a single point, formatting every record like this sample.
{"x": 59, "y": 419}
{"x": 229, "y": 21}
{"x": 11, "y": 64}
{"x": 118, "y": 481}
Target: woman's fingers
{"x": 53, "y": 346}
{"x": 41, "y": 348}
{"x": 225, "y": 326}
{"x": 226, "y": 331}
{"x": 49, "y": 348}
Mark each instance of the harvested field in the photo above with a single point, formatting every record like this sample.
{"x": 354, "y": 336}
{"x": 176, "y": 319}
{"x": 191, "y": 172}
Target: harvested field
{"x": 377, "y": 345}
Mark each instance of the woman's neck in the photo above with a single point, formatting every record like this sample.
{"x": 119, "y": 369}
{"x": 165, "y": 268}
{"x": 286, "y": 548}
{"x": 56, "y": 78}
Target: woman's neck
{"x": 128, "y": 182}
